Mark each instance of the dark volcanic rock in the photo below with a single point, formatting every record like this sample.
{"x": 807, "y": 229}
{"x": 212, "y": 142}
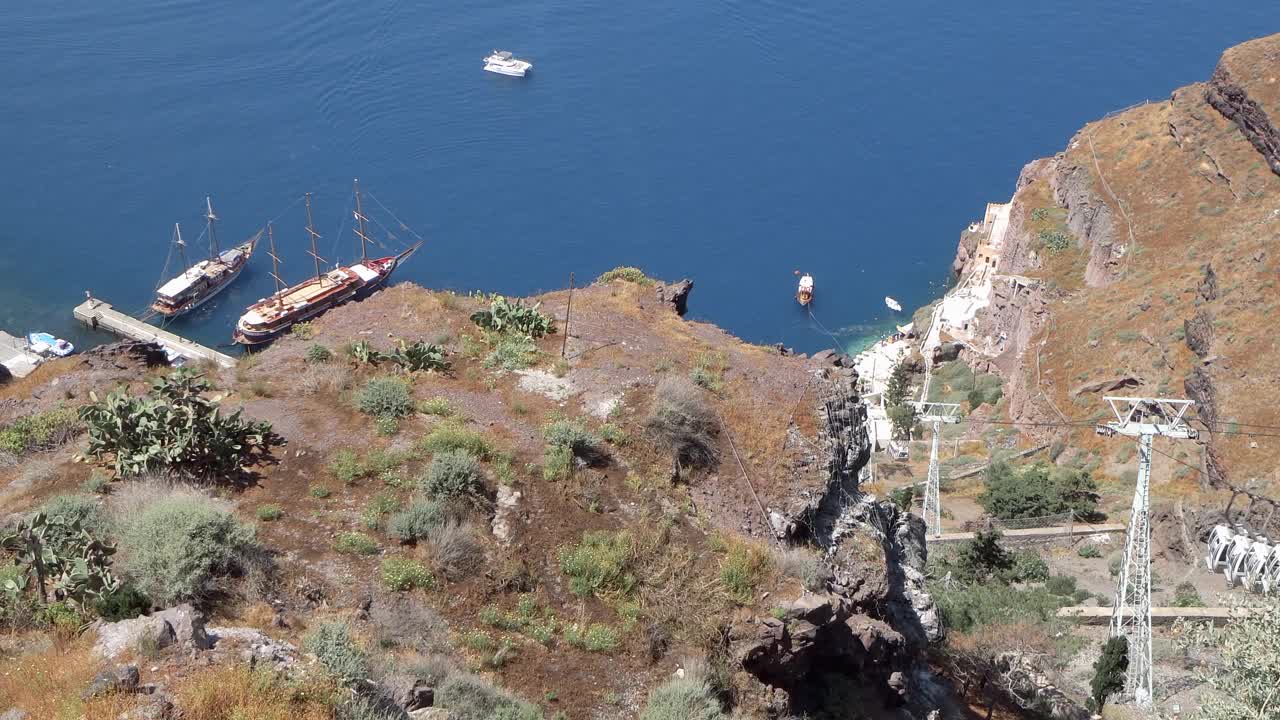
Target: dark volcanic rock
{"x": 1229, "y": 97}
{"x": 1199, "y": 333}
{"x": 121, "y": 679}
{"x": 677, "y": 295}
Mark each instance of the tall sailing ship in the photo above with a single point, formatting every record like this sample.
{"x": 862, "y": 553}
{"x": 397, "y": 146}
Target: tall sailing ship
{"x": 268, "y": 318}
{"x": 202, "y": 280}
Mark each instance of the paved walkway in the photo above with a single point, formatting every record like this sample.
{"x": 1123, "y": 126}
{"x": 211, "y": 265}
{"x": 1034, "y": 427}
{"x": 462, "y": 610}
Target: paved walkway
{"x": 1037, "y": 533}
{"x": 15, "y": 356}
{"x": 1159, "y": 615}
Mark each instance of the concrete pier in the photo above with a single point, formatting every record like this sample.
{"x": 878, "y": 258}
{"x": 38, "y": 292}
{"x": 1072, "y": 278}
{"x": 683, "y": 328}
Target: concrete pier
{"x": 15, "y": 356}
{"x": 100, "y": 316}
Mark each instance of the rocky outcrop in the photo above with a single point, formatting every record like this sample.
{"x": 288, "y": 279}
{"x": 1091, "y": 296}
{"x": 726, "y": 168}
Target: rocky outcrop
{"x": 1229, "y": 95}
{"x": 1091, "y": 220}
{"x": 821, "y": 632}
{"x": 1198, "y": 333}
{"x": 182, "y": 626}
{"x": 876, "y": 618}
{"x": 676, "y": 295}
{"x": 1033, "y": 690}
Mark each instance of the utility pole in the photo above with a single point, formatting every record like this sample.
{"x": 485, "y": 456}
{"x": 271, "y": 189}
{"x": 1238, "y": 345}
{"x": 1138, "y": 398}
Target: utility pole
{"x": 936, "y": 414}
{"x": 1143, "y": 418}
{"x": 564, "y": 343}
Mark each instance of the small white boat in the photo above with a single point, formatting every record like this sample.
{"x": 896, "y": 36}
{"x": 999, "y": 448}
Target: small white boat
{"x": 893, "y": 304}
{"x": 503, "y": 63}
{"x": 48, "y": 346}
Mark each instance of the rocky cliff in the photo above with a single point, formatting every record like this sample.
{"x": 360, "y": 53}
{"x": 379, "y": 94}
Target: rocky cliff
{"x": 1167, "y": 280}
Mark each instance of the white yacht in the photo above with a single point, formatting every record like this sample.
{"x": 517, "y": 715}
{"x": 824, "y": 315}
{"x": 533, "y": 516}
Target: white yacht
{"x": 503, "y": 63}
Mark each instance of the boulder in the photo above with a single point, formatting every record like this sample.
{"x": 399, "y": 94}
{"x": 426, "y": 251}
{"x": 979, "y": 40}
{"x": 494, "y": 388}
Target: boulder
{"x": 256, "y": 647}
{"x": 14, "y": 713}
{"x": 407, "y": 691}
{"x": 159, "y": 708}
{"x": 120, "y": 679}
{"x": 182, "y": 625}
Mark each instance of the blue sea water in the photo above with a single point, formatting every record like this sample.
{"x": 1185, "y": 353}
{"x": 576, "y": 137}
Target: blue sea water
{"x": 726, "y": 141}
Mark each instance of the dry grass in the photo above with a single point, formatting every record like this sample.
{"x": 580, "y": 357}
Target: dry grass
{"x": 48, "y": 684}
{"x": 237, "y": 693}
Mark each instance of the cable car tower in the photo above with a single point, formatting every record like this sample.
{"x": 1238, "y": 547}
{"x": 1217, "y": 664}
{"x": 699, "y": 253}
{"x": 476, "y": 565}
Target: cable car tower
{"x": 935, "y": 413}
{"x": 1143, "y": 418}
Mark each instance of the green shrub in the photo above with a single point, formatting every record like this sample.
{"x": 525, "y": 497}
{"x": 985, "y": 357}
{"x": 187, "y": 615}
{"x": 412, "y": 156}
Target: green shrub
{"x": 468, "y": 697}
{"x": 176, "y": 547}
{"x": 599, "y": 564}
{"x": 1089, "y": 550}
{"x": 270, "y": 512}
{"x": 175, "y": 427}
{"x": 386, "y": 426}
{"x": 614, "y": 435}
{"x": 512, "y": 352}
{"x": 416, "y": 521}
{"x": 1186, "y": 595}
{"x": 453, "y": 475}
{"x": 384, "y": 503}
{"x": 903, "y": 497}
{"x": 319, "y": 491}
{"x": 1038, "y": 490}
{"x": 742, "y": 571}
{"x": 97, "y": 484}
{"x": 1063, "y": 585}
{"x": 303, "y": 330}
{"x": 449, "y": 436}
{"x": 574, "y": 435}
{"x": 977, "y": 560}
{"x": 318, "y": 354}
{"x": 804, "y": 565}
{"x": 385, "y": 397}
{"x": 122, "y": 604}
{"x": 594, "y": 637}
{"x": 404, "y": 574}
{"x": 334, "y": 647}
{"x": 557, "y": 463}
{"x": 1028, "y": 566}
{"x": 505, "y": 316}
{"x": 355, "y": 543}
{"x": 682, "y": 699}
{"x": 970, "y": 607}
{"x": 436, "y": 406}
{"x": 1054, "y": 240}
{"x": 626, "y": 273}
{"x": 63, "y": 510}
{"x": 347, "y": 467}
{"x": 40, "y": 431}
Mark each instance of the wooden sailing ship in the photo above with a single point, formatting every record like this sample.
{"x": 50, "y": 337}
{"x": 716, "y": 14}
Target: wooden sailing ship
{"x": 270, "y": 317}
{"x": 199, "y": 282}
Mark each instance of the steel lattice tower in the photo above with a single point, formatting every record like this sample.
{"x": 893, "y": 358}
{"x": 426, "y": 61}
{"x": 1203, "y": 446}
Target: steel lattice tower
{"x": 936, "y": 414}
{"x": 1143, "y": 418}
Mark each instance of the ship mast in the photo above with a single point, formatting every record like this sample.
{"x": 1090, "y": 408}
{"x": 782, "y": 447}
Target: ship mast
{"x": 275, "y": 267}
{"x": 210, "y": 218}
{"x": 182, "y": 246}
{"x": 311, "y": 230}
{"x": 361, "y": 230}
